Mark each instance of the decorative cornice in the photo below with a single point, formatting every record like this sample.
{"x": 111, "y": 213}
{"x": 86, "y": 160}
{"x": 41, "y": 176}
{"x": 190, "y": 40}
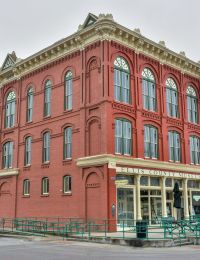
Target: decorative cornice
{"x": 103, "y": 29}
{"x": 114, "y": 160}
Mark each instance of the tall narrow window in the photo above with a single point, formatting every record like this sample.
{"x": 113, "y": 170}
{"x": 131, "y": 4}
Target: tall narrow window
{"x": 10, "y": 110}
{"x": 122, "y": 80}
{"x": 68, "y": 91}
{"x": 27, "y": 156}
{"x": 67, "y": 184}
{"x": 7, "y": 155}
{"x": 150, "y": 142}
{"x": 123, "y": 137}
{"x": 47, "y": 98}
{"x": 29, "y": 112}
{"x": 68, "y": 143}
{"x": 174, "y": 146}
{"x": 148, "y": 90}
{"x": 45, "y": 185}
{"x": 172, "y": 98}
{"x": 192, "y": 102}
{"x": 26, "y": 187}
{"x": 195, "y": 149}
{"x": 46, "y": 147}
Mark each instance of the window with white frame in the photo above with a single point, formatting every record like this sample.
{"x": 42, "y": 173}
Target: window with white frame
{"x": 29, "y": 112}
{"x": 192, "y": 107}
{"x": 27, "y": 155}
{"x": 68, "y": 91}
{"x": 26, "y": 187}
{"x": 174, "y": 146}
{"x": 46, "y": 147}
{"x": 195, "y": 149}
{"x": 121, "y": 80}
{"x": 150, "y": 142}
{"x": 172, "y": 98}
{"x": 45, "y": 185}
{"x": 148, "y": 90}
{"x": 10, "y": 110}
{"x": 67, "y": 143}
{"x": 123, "y": 137}
{"x": 47, "y": 98}
{"x": 67, "y": 184}
{"x": 7, "y": 159}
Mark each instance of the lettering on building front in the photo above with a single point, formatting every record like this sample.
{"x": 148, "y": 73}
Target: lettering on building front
{"x": 160, "y": 173}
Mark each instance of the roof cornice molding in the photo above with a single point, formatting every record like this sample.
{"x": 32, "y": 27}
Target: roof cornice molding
{"x": 114, "y": 160}
{"x": 103, "y": 29}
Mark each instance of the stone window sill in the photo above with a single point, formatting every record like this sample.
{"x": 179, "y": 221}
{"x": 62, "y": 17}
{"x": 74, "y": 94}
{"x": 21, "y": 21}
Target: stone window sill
{"x": 67, "y": 194}
{"x": 44, "y": 195}
{"x": 67, "y": 161}
{"x": 26, "y": 196}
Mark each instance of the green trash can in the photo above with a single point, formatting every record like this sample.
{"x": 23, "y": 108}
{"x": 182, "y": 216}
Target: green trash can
{"x": 141, "y": 229}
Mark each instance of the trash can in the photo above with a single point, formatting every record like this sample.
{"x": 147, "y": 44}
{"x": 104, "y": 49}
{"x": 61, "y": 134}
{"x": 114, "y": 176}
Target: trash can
{"x": 141, "y": 229}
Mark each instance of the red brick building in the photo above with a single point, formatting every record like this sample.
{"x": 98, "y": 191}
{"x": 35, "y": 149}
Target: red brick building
{"x": 101, "y": 124}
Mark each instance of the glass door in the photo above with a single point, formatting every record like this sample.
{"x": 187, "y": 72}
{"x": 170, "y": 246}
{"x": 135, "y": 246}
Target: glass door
{"x": 156, "y": 210}
{"x": 125, "y": 208}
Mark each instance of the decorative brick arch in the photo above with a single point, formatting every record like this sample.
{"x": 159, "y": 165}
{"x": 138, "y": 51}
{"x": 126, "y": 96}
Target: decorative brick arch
{"x": 93, "y": 196}
{"x": 93, "y": 63}
{"x": 93, "y": 136}
{"x": 6, "y": 199}
{"x": 94, "y": 89}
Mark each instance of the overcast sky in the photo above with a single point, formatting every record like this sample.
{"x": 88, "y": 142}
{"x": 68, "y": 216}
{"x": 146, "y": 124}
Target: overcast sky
{"x": 27, "y": 26}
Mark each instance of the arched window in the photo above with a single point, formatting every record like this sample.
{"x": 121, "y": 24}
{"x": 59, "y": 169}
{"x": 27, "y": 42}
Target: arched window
{"x": 68, "y": 91}
{"x": 192, "y": 105}
{"x": 195, "y": 149}
{"x": 26, "y": 187}
{"x": 172, "y": 98}
{"x": 122, "y": 80}
{"x": 27, "y": 153}
{"x": 148, "y": 90}
{"x": 67, "y": 184}
{"x": 46, "y": 147}
{"x": 29, "y": 112}
{"x": 174, "y": 146}
{"x": 67, "y": 143}
{"x": 150, "y": 142}
{"x": 47, "y": 98}
{"x": 7, "y": 155}
{"x": 45, "y": 185}
{"x": 10, "y": 110}
{"x": 123, "y": 137}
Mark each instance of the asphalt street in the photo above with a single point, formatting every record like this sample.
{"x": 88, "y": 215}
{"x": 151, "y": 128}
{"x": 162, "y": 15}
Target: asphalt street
{"x": 14, "y": 249}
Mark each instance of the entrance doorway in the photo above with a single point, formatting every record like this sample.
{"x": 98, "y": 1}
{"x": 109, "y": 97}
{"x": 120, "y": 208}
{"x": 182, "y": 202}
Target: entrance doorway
{"x": 125, "y": 206}
{"x": 151, "y": 206}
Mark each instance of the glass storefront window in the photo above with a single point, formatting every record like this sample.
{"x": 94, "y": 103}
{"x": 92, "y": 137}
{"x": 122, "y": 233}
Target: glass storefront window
{"x": 144, "y": 192}
{"x": 195, "y": 202}
{"x": 155, "y": 181}
{"x": 145, "y": 208}
{"x": 130, "y": 179}
{"x": 193, "y": 184}
{"x": 168, "y": 182}
{"x": 155, "y": 192}
{"x": 144, "y": 181}
{"x": 169, "y": 195}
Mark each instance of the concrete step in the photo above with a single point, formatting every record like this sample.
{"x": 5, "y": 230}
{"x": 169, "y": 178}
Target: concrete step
{"x": 182, "y": 242}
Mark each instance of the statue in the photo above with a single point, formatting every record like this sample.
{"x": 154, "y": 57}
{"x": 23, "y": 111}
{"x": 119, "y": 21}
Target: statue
{"x": 177, "y": 196}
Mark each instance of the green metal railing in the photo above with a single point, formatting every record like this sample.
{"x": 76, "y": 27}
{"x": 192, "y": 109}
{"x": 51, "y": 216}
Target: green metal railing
{"x": 167, "y": 228}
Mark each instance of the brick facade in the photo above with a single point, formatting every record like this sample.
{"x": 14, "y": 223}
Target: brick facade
{"x": 93, "y": 130}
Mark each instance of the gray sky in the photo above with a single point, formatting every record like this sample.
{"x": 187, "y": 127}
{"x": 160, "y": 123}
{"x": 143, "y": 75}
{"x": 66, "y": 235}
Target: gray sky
{"x": 27, "y": 26}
